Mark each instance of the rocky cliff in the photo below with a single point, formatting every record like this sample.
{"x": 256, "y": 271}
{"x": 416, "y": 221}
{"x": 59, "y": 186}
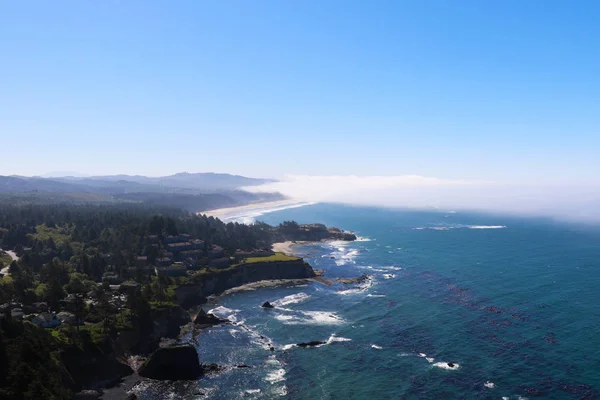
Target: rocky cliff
{"x": 166, "y": 323}
{"x": 218, "y": 281}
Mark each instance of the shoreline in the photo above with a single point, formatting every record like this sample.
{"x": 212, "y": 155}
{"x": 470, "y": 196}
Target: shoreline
{"x": 249, "y": 211}
{"x": 287, "y": 247}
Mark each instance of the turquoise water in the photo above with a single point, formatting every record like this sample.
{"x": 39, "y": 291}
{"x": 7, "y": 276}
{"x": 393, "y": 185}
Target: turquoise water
{"x": 513, "y": 303}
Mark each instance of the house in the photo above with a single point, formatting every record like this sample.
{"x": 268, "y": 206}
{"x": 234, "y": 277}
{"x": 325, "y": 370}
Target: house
{"x": 172, "y": 270}
{"x": 67, "y": 318}
{"x": 185, "y": 237}
{"x": 193, "y": 254}
{"x": 198, "y": 244}
{"x": 179, "y": 246}
{"x": 191, "y": 264}
{"x": 111, "y": 278}
{"x": 146, "y": 269}
{"x": 17, "y": 313}
{"x": 129, "y": 287}
{"x": 170, "y": 239}
{"x": 164, "y": 261}
{"x": 141, "y": 261}
{"x": 46, "y": 320}
{"x": 219, "y": 263}
{"x": 216, "y": 252}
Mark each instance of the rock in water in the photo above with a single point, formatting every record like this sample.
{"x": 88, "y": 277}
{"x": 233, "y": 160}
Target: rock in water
{"x": 310, "y": 344}
{"x": 266, "y": 304}
{"x": 205, "y": 320}
{"x": 172, "y": 363}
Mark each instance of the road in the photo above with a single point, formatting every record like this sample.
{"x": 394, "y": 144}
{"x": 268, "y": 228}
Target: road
{"x": 14, "y": 256}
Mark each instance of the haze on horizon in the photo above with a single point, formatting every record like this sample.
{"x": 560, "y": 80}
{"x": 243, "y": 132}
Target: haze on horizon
{"x": 462, "y": 105}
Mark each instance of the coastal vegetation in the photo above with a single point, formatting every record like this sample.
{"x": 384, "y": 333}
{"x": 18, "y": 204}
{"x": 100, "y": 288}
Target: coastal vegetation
{"x": 94, "y": 283}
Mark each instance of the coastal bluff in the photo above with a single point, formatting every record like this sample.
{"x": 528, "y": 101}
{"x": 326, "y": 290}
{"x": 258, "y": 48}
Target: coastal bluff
{"x": 217, "y": 281}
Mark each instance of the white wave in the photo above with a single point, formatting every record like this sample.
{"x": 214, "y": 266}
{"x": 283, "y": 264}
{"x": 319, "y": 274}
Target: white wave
{"x": 311, "y": 318}
{"x": 363, "y": 287}
{"x": 222, "y": 311}
{"x": 288, "y": 346}
{"x": 374, "y": 346}
{"x": 446, "y": 228}
{"x": 275, "y": 376}
{"x": 389, "y": 276}
{"x": 505, "y": 398}
{"x": 489, "y": 385}
{"x": 445, "y": 365}
{"x": 334, "y": 338}
{"x": 393, "y": 268}
{"x": 363, "y": 239}
{"x": 486, "y": 226}
{"x": 422, "y": 355}
{"x": 252, "y": 391}
{"x": 291, "y": 299}
{"x": 376, "y": 295}
{"x": 429, "y": 359}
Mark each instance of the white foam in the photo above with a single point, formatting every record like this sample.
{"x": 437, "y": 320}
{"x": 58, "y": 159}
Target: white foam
{"x": 374, "y": 346}
{"x": 393, "y": 268}
{"x": 275, "y": 376}
{"x": 446, "y": 228}
{"x": 288, "y": 346}
{"x": 422, "y": 355}
{"x": 311, "y": 318}
{"x": 291, "y": 299}
{"x": 363, "y": 287}
{"x": 363, "y": 239}
{"x": 334, "y": 338}
{"x": 489, "y": 385}
{"x": 252, "y": 391}
{"x": 445, "y": 365}
{"x": 375, "y": 295}
{"x": 389, "y": 276}
{"x": 222, "y": 311}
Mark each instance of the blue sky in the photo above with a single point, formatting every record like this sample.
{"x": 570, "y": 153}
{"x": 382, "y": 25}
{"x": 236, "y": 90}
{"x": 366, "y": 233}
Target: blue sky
{"x": 486, "y": 90}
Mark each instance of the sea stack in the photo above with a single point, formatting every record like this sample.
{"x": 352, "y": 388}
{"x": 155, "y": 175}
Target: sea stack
{"x": 266, "y": 304}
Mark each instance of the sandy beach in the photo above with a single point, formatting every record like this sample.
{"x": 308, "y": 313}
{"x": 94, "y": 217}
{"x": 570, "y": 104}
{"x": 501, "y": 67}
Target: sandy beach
{"x": 249, "y": 211}
{"x": 284, "y": 247}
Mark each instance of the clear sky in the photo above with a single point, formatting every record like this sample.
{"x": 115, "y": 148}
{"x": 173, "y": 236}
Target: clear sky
{"x": 496, "y": 90}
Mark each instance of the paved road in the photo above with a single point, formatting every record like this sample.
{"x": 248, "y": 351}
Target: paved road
{"x": 13, "y": 255}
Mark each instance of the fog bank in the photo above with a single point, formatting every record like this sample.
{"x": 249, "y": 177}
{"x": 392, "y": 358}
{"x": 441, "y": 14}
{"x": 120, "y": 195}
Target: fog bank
{"x": 563, "y": 200}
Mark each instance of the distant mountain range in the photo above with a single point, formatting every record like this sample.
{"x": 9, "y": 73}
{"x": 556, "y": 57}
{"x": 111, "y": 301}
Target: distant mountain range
{"x": 193, "y": 192}
{"x": 179, "y": 183}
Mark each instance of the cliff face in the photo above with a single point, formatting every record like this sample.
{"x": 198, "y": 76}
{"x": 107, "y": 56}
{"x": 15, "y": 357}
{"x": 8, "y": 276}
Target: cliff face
{"x": 166, "y": 323}
{"x": 219, "y": 281}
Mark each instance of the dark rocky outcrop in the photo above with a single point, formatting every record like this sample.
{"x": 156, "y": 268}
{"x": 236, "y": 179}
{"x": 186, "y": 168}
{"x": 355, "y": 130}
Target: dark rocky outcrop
{"x": 348, "y": 281}
{"x": 310, "y": 344}
{"x": 219, "y": 281}
{"x": 266, "y": 304}
{"x": 166, "y": 323}
{"x": 206, "y": 320}
{"x": 172, "y": 363}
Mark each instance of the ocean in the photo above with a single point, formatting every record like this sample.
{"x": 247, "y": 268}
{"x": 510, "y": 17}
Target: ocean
{"x": 457, "y": 306}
